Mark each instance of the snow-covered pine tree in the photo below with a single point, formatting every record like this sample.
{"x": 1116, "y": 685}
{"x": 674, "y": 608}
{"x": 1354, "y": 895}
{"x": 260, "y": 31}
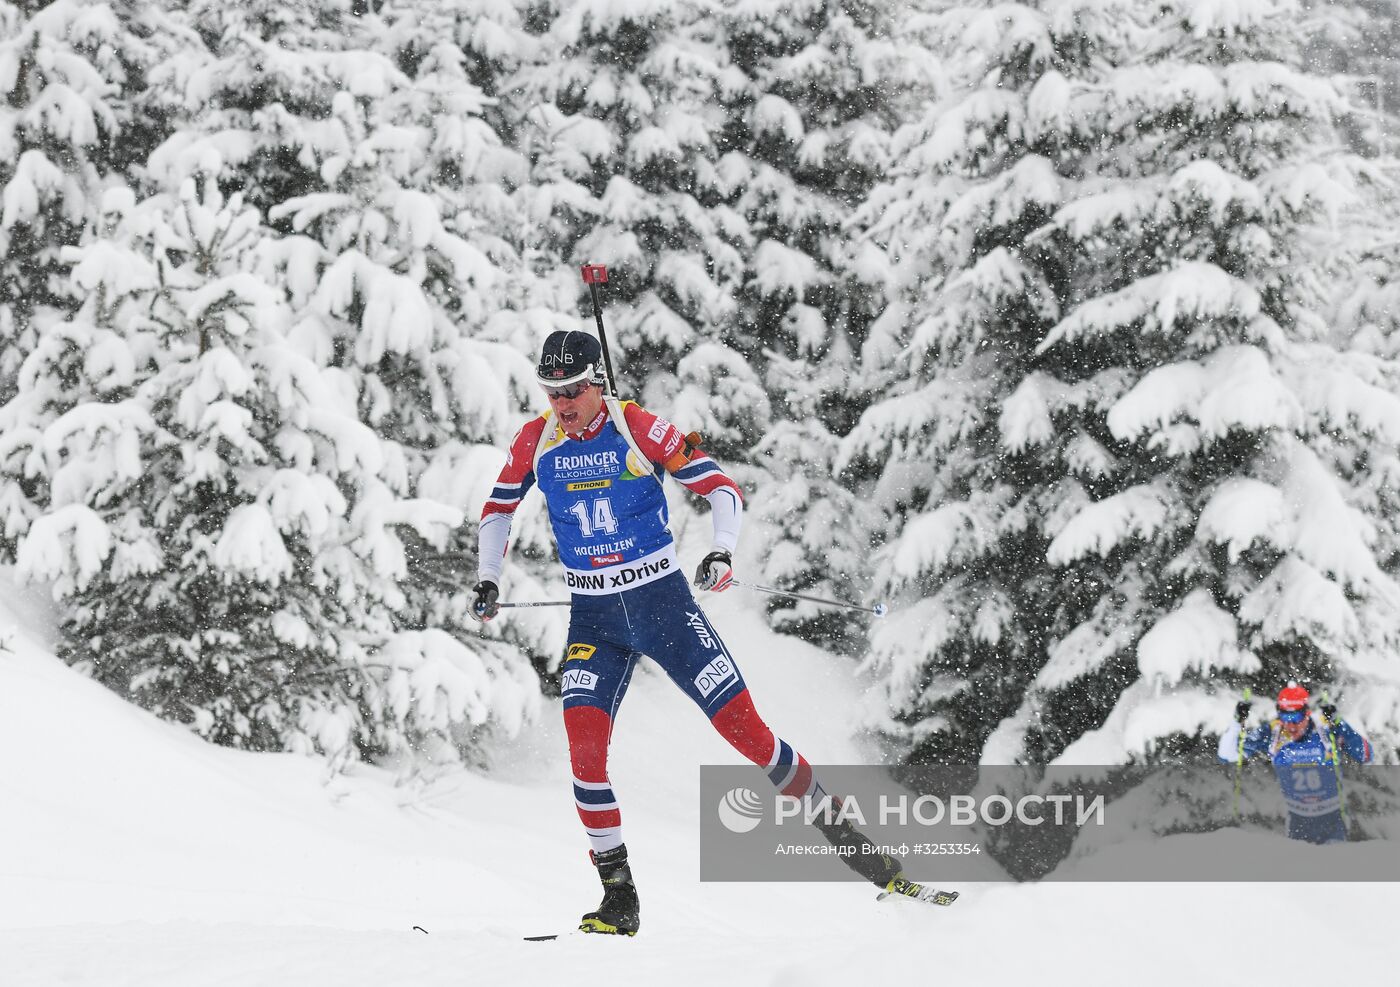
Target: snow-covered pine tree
{"x": 214, "y": 515}
{"x": 1356, "y": 41}
{"x": 1367, "y": 304}
{"x": 621, "y": 112}
{"x": 364, "y": 139}
{"x": 806, "y": 135}
{"x": 1363, "y": 284}
{"x": 813, "y": 91}
{"x": 1244, "y": 415}
{"x": 1123, "y": 468}
{"x": 495, "y": 295}
{"x": 811, "y": 536}
{"x": 962, "y": 559}
{"x": 70, "y": 71}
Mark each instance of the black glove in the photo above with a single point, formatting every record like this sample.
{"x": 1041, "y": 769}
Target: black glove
{"x": 1329, "y": 713}
{"x": 1242, "y": 709}
{"x": 484, "y": 607}
{"x": 715, "y": 572}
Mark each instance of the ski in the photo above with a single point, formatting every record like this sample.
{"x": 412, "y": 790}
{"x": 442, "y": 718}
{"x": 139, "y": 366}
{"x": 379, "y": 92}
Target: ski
{"x": 578, "y": 933}
{"x": 902, "y": 887}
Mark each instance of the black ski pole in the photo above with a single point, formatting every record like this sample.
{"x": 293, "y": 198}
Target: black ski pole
{"x": 1336, "y": 756}
{"x": 879, "y": 609}
{"x": 594, "y": 275}
{"x": 1239, "y": 757}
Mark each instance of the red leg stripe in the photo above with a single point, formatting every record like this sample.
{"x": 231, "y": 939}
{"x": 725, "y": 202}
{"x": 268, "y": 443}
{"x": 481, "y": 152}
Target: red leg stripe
{"x": 801, "y": 780}
{"x": 600, "y": 820}
{"x": 589, "y": 729}
{"x": 739, "y": 723}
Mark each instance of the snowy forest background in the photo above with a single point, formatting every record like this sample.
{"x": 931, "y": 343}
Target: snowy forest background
{"x": 1067, "y": 328}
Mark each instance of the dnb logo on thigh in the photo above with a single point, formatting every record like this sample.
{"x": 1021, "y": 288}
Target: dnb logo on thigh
{"x": 578, "y": 680}
{"x": 715, "y": 676}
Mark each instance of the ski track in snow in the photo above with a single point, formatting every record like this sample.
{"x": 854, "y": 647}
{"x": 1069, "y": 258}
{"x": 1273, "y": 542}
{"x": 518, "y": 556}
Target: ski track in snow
{"x": 131, "y": 853}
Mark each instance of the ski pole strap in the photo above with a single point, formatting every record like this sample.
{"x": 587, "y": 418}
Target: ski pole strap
{"x": 879, "y": 609}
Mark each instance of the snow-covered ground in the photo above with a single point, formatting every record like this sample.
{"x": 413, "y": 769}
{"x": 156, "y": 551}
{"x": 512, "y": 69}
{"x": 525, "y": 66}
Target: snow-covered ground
{"x": 133, "y": 853}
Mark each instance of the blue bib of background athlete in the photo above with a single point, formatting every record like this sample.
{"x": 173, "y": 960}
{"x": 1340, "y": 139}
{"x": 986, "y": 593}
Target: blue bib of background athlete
{"x": 608, "y": 519}
{"x": 1308, "y": 777}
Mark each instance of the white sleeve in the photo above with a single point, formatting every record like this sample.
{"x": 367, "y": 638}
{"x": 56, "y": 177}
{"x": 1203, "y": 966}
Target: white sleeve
{"x": 726, "y": 513}
{"x": 492, "y": 539}
{"x": 1229, "y": 749}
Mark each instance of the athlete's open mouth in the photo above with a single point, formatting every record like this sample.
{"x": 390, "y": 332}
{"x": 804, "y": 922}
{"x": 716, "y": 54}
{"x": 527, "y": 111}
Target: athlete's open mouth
{"x": 569, "y": 418}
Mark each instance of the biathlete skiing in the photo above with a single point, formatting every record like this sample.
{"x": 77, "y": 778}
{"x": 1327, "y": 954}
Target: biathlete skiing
{"x": 1306, "y": 749}
{"x": 600, "y": 463}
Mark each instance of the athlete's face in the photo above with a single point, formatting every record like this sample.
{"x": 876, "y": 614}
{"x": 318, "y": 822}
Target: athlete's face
{"x": 576, "y": 412}
{"x": 1295, "y": 730}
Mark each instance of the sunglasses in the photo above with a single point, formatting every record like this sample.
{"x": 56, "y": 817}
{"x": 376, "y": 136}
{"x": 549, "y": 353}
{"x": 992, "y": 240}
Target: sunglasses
{"x": 1292, "y": 715}
{"x": 571, "y": 391}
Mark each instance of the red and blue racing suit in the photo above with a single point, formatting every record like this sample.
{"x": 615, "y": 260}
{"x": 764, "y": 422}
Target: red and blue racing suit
{"x": 629, "y": 595}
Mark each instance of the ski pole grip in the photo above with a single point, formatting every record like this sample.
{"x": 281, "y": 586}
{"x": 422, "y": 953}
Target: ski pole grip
{"x": 595, "y": 274}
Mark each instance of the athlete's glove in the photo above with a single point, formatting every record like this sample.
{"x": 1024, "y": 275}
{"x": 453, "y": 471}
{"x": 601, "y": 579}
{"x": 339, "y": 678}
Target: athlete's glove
{"x": 484, "y": 606}
{"x": 1242, "y": 711}
{"x": 1329, "y": 713}
{"x": 715, "y": 573}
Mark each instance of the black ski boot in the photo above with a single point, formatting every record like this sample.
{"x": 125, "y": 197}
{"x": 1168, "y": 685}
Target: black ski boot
{"x": 861, "y": 856}
{"x": 620, "y": 913}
